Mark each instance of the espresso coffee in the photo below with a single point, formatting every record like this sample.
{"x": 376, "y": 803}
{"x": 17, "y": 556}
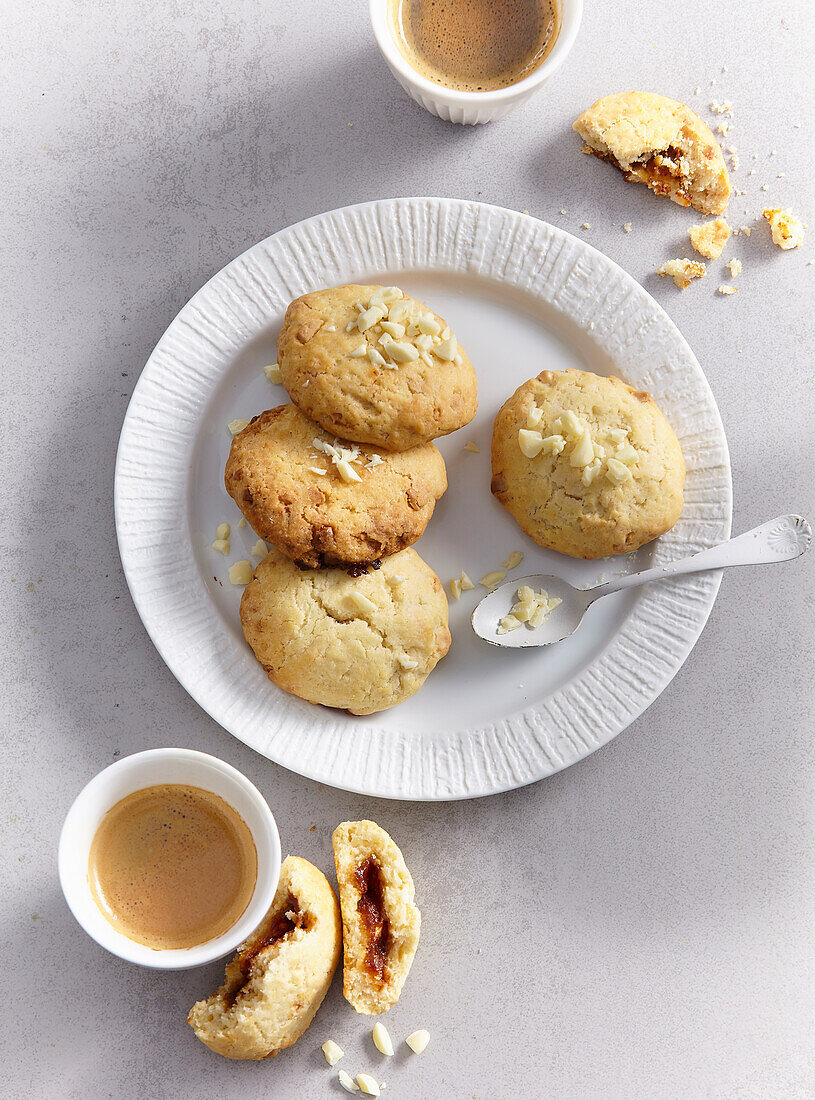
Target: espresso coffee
{"x": 474, "y": 45}
{"x": 172, "y": 866}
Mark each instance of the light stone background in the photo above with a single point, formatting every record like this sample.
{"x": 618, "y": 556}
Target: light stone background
{"x": 638, "y": 926}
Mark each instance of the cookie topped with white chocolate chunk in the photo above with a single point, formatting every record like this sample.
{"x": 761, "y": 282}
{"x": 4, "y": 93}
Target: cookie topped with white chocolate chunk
{"x": 372, "y": 365}
{"x": 586, "y": 465}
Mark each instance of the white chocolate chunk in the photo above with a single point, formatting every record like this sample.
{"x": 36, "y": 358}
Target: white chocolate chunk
{"x": 240, "y": 572}
{"x": 272, "y": 372}
{"x": 347, "y": 471}
{"x": 407, "y": 664}
{"x": 466, "y": 583}
{"x": 418, "y": 1040}
{"x": 367, "y": 1085}
{"x": 332, "y": 1051}
{"x": 617, "y": 472}
{"x": 402, "y": 352}
{"x": 583, "y": 452}
{"x": 447, "y": 349}
{"x": 514, "y": 560}
{"x": 455, "y": 588}
{"x": 534, "y": 417}
{"x": 395, "y": 579}
{"x": 223, "y": 531}
{"x": 347, "y": 1081}
{"x": 489, "y": 580}
{"x": 382, "y": 1040}
{"x": 530, "y": 442}
{"x": 236, "y": 426}
{"x": 358, "y": 601}
{"x": 259, "y": 550}
{"x": 221, "y": 545}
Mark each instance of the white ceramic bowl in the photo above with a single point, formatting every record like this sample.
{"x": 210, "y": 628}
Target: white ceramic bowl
{"x": 146, "y": 769}
{"x": 471, "y": 108}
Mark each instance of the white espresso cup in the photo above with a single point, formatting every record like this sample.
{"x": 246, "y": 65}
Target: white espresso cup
{"x": 472, "y": 108}
{"x": 148, "y": 769}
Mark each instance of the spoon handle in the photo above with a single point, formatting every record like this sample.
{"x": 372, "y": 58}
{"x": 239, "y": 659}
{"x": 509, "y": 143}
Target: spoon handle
{"x": 780, "y": 539}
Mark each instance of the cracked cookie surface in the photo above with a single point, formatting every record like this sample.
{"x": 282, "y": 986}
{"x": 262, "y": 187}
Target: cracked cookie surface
{"x": 320, "y": 518}
{"x": 547, "y": 496}
{"x": 661, "y": 143}
{"x": 358, "y": 643}
{"x": 354, "y": 398}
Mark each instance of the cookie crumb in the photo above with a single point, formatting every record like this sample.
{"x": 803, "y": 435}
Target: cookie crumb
{"x": 682, "y": 271}
{"x": 626, "y": 227}
{"x": 727, "y": 289}
{"x": 240, "y": 573}
{"x": 710, "y": 238}
{"x": 272, "y": 372}
{"x": 236, "y": 426}
{"x": 586, "y": 225}
{"x": 786, "y": 229}
{"x": 735, "y": 268}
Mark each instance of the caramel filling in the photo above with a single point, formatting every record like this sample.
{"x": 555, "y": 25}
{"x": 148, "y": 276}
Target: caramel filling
{"x": 371, "y": 908}
{"x": 281, "y": 925}
{"x": 662, "y": 172}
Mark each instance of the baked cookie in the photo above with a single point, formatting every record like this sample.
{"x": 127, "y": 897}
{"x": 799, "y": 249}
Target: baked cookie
{"x": 586, "y": 465}
{"x": 380, "y": 920}
{"x": 372, "y": 365}
{"x": 358, "y": 643}
{"x": 277, "y": 980}
{"x": 661, "y": 143}
{"x": 323, "y": 502}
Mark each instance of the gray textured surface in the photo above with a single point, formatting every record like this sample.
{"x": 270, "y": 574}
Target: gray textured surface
{"x": 644, "y": 919}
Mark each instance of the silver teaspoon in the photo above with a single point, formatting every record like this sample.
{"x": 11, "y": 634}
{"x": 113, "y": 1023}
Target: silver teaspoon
{"x": 781, "y": 539}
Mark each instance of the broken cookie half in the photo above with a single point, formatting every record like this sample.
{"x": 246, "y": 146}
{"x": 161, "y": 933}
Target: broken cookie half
{"x": 281, "y": 973}
{"x": 661, "y": 143}
{"x": 380, "y": 920}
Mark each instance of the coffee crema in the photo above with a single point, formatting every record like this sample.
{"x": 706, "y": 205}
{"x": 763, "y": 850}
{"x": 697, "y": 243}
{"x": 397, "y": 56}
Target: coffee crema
{"x": 474, "y": 45}
{"x": 172, "y": 866}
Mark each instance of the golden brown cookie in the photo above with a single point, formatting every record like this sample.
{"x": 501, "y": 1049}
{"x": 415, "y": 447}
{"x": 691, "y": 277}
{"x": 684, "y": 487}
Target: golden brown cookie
{"x": 372, "y": 365}
{"x": 322, "y": 501}
{"x": 661, "y": 143}
{"x": 358, "y": 643}
{"x": 280, "y": 975}
{"x": 586, "y": 465}
{"x": 380, "y": 919}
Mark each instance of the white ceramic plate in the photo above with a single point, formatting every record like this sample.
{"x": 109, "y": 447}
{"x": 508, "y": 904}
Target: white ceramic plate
{"x": 522, "y": 296}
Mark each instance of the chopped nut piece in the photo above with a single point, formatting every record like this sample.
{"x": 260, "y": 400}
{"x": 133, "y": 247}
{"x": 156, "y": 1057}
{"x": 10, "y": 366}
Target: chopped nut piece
{"x": 591, "y": 473}
{"x": 508, "y": 623}
{"x": 332, "y": 1051}
{"x": 466, "y": 583}
{"x": 385, "y": 295}
{"x": 358, "y": 601}
{"x": 447, "y": 349}
{"x": 724, "y": 289}
{"x": 236, "y": 426}
{"x": 376, "y": 357}
{"x": 534, "y": 417}
{"x": 583, "y": 452}
{"x": 221, "y": 545}
{"x": 317, "y": 470}
{"x": 394, "y": 329}
{"x": 240, "y": 573}
{"x": 418, "y": 1040}
{"x": 626, "y": 227}
{"x": 682, "y": 271}
{"x": 455, "y": 588}
{"x": 370, "y": 317}
{"x": 617, "y": 472}
{"x": 490, "y": 580}
{"x": 514, "y": 560}
{"x": 553, "y": 444}
{"x": 382, "y": 1040}
{"x": 787, "y": 230}
{"x": 395, "y": 579}
{"x": 586, "y": 225}
{"x": 259, "y": 550}
{"x": 223, "y": 531}
{"x": 470, "y": 446}
{"x": 401, "y": 352}
{"x": 347, "y": 1081}
{"x": 710, "y": 238}
{"x": 374, "y": 460}
{"x": 530, "y": 607}
{"x": 272, "y": 372}
{"x": 735, "y": 268}
{"x": 530, "y": 442}
{"x": 429, "y": 326}
{"x": 407, "y": 664}
{"x": 627, "y": 454}
{"x": 358, "y": 352}
{"x": 367, "y": 1084}
{"x": 618, "y": 435}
